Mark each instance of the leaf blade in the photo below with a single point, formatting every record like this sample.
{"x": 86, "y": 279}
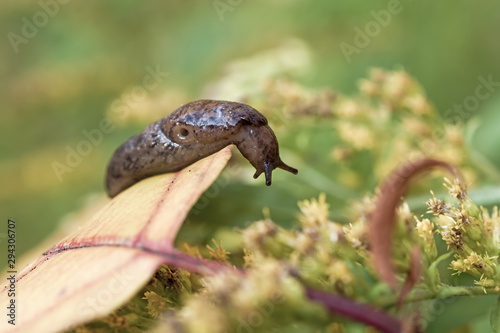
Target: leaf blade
{"x": 133, "y": 232}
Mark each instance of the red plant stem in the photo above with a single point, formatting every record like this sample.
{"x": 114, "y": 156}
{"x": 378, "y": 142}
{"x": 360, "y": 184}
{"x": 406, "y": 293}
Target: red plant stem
{"x": 383, "y": 218}
{"x": 358, "y": 312}
{"x": 192, "y": 264}
{"x": 336, "y": 304}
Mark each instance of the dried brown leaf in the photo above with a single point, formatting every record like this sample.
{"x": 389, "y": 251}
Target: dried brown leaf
{"x": 383, "y": 218}
{"x": 413, "y": 274}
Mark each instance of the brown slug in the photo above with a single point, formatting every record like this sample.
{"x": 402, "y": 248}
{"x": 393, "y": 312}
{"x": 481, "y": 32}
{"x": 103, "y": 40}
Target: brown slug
{"x": 190, "y": 133}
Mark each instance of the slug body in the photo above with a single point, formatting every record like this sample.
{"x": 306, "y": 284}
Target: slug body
{"x": 190, "y": 133}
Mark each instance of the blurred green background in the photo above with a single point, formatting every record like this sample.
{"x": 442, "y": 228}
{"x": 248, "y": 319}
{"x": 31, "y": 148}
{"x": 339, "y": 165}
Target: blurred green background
{"x": 63, "y": 65}
{"x": 61, "y": 78}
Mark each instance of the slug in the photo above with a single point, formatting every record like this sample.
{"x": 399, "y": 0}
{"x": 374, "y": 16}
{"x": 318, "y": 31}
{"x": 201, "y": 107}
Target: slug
{"x": 190, "y": 133}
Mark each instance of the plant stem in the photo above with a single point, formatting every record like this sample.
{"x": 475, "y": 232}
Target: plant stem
{"x": 359, "y": 312}
{"x": 444, "y": 292}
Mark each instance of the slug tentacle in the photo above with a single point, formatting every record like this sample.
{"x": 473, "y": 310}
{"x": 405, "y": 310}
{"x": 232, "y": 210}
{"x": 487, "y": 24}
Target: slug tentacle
{"x": 192, "y": 132}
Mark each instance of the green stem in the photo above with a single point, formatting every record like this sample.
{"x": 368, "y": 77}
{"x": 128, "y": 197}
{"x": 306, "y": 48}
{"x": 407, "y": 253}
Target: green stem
{"x": 444, "y": 292}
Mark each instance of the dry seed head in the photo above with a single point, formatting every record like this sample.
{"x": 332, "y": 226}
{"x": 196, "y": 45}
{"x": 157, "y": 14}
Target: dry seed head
{"x": 462, "y": 217}
{"x": 437, "y": 207}
{"x": 314, "y": 212}
{"x": 453, "y": 238}
{"x": 456, "y": 188}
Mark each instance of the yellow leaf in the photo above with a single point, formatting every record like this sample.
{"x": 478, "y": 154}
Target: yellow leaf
{"x": 100, "y": 266}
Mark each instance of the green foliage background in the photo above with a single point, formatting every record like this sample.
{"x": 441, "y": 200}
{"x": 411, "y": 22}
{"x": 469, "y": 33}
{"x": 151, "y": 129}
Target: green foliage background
{"x": 64, "y": 79}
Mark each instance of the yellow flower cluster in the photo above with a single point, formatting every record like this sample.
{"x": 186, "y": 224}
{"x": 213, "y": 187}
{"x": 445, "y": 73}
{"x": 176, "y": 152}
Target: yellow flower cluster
{"x": 471, "y": 232}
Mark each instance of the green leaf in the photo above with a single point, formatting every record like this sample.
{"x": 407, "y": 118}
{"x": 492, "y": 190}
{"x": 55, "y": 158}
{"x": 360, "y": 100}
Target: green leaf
{"x": 484, "y": 138}
{"x": 495, "y": 317}
{"x": 433, "y": 270}
{"x": 448, "y": 314}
